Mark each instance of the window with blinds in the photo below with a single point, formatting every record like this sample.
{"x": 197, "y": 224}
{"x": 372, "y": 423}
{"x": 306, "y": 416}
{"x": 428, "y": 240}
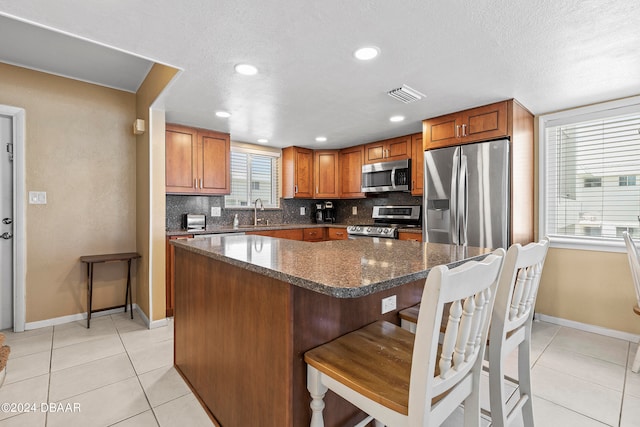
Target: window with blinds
{"x": 591, "y": 168}
{"x": 254, "y": 175}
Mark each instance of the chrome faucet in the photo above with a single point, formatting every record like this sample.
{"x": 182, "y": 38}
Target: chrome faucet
{"x": 255, "y": 211}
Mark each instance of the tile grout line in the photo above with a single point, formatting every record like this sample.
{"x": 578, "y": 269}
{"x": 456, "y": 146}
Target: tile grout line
{"x": 627, "y": 369}
{"x": 46, "y": 414}
{"x": 138, "y": 378}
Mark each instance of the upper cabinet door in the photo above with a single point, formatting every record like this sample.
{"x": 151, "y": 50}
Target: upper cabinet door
{"x": 374, "y": 152}
{"x": 196, "y": 161}
{"x": 180, "y": 159}
{"x": 417, "y": 167}
{"x": 214, "y": 155}
{"x": 297, "y": 173}
{"x": 304, "y": 173}
{"x": 351, "y": 161}
{"x": 326, "y": 174}
{"x": 442, "y": 131}
{"x": 484, "y": 123}
{"x": 398, "y": 148}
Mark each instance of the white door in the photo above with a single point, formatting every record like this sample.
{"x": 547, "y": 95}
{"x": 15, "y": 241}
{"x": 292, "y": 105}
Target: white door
{"x": 6, "y": 226}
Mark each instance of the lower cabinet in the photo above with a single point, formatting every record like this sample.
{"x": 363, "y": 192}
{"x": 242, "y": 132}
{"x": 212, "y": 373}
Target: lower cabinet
{"x": 169, "y": 287}
{"x": 337, "y": 233}
{"x": 313, "y": 234}
{"x": 293, "y": 234}
{"x": 414, "y": 237}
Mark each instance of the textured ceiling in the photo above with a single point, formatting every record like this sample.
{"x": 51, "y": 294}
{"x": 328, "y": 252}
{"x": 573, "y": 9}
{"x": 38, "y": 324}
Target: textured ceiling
{"x": 549, "y": 55}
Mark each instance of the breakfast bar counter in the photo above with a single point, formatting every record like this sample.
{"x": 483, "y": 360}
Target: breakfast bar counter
{"x": 247, "y": 307}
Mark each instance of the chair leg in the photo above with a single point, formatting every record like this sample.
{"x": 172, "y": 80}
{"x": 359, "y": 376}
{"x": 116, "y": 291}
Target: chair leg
{"x": 472, "y": 408}
{"x": 317, "y": 390}
{"x": 496, "y": 387}
{"x": 636, "y": 363}
{"x": 378, "y": 423}
{"x": 524, "y": 379}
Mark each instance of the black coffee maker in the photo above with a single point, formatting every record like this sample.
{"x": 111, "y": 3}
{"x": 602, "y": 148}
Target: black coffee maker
{"x": 329, "y": 212}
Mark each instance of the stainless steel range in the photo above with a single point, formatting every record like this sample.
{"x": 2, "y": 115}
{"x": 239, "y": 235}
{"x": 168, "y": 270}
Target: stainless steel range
{"x": 386, "y": 222}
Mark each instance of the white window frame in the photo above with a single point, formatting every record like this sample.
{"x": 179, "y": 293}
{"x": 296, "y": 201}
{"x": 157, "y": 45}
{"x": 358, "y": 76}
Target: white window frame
{"x": 605, "y": 109}
{"x": 254, "y": 149}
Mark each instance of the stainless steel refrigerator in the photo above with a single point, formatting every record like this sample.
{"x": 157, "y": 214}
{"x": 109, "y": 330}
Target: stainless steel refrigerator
{"x": 466, "y": 195}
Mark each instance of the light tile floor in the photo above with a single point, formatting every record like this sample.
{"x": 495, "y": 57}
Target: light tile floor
{"x": 121, "y": 374}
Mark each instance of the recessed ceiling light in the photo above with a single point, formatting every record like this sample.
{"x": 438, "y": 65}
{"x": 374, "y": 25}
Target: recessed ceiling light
{"x": 246, "y": 69}
{"x": 321, "y": 138}
{"x": 366, "y": 53}
{"x": 263, "y": 140}
{"x": 396, "y": 118}
{"x": 223, "y": 114}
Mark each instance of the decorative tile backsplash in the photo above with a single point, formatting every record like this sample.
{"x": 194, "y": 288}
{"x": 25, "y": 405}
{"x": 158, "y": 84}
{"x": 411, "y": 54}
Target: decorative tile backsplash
{"x": 289, "y": 212}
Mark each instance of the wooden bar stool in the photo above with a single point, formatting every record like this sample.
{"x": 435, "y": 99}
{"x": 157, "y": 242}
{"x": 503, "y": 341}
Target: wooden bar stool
{"x": 90, "y": 260}
{"x": 401, "y": 379}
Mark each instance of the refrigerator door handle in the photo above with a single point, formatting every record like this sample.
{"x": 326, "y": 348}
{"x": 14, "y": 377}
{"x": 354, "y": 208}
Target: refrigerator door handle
{"x": 453, "y": 210}
{"x": 463, "y": 198}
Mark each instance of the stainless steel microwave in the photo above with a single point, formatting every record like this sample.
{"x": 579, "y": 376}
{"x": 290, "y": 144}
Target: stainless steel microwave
{"x": 386, "y": 176}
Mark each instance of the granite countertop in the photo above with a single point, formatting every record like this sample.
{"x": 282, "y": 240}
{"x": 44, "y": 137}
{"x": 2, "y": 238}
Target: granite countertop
{"x": 248, "y": 228}
{"x": 339, "y": 268}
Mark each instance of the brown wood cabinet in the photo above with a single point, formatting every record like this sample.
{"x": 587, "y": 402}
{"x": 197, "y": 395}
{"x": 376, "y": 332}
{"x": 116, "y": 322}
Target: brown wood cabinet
{"x": 417, "y": 166}
{"x": 337, "y": 233}
{"x": 291, "y": 234}
{"x": 326, "y": 174}
{"x": 388, "y": 150}
{"x": 413, "y": 237}
{"x": 476, "y": 124}
{"x": 197, "y": 161}
{"x": 170, "y": 277}
{"x": 503, "y": 119}
{"x": 313, "y": 234}
{"x": 351, "y": 160}
{"x": 297, "y": 173}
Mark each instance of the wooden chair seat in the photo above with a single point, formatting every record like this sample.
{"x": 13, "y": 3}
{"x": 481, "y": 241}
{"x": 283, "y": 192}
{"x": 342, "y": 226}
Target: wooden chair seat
{"x": 374, "y": 361}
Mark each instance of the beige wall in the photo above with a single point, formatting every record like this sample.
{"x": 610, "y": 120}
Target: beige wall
{"x": 589, "y": 287}
{"x": 80, "y": 150}
{"x": 150, "y": 201}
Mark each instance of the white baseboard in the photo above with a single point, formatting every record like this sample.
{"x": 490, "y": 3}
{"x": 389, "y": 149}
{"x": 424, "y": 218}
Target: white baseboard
{"x": 588, "y": 328}
{"x": 83, "y": 316}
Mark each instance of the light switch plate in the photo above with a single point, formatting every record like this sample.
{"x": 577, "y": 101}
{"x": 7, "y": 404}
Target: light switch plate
{"x": 303, "y": 210}
{"x": 216, "y": 211}
{"x": 354, "y": 210}
{"x": 37, "y": 197}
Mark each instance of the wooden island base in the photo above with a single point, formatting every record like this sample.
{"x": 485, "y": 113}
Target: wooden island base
{"x": 240, "y": 337}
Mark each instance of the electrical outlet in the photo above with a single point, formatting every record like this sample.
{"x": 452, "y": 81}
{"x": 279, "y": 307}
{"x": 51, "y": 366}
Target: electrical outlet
{"x": 303, "y": 210}
{"x": 216, "y": 211}
{"x": 388, "y": 304}
{"x": 354, "y": 210}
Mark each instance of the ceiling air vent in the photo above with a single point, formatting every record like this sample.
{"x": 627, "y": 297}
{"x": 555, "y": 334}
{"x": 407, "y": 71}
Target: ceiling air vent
{"x": 406, "y": 94}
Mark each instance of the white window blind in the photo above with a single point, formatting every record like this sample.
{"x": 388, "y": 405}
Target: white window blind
{"x": 254, "y": 175}
{"x": 592, "y": 167}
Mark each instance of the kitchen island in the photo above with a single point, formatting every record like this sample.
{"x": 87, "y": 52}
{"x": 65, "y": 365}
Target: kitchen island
{"x": 248, "y": 307}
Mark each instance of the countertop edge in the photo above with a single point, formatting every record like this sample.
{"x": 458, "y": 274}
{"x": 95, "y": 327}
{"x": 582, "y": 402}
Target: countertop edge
{"x": 320, "y": 287}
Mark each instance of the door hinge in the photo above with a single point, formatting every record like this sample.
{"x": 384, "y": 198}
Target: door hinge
{"x": 10, "y": 151}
